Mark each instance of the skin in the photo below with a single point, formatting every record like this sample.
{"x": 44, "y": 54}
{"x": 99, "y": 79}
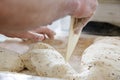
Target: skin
{"x": 20, "y": 18}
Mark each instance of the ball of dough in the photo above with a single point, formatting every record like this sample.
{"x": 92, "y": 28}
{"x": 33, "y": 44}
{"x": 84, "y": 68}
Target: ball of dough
{"x": 108, "y": 40}
{"x": 27, "y": 56}
{"x": 10, "y": 61}
{"x": 101, "y": 61}
{"x": 42, "y": 61}
{"x": 49, "y": 63}
{"x": 40, "y": 45}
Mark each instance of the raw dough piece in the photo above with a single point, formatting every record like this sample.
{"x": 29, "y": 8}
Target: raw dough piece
{"x": 40, "y": 45}
{"x": 101, "y": 61}
{"x": 27, "y": 57}
{"x": 49, "y": 63}
{"x": 10, "y": 61}
{"x": 108, "y": 40}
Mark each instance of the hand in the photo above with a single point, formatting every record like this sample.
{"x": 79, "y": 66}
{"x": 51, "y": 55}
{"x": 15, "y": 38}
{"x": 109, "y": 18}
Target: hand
{"x": 85, "y": 8}
{"x": 16, "y": 15}
{"x": 83, "y": 12}
{"x": 19, "y": 16}
{"x": 38, "y": 34}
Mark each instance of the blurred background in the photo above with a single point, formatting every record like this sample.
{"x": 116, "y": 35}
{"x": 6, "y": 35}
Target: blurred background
{"x": 108, "y": 11}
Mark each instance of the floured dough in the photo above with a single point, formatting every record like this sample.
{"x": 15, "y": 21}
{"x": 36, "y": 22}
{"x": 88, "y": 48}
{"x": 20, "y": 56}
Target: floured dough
{"x": 49, "y": 63}
{"x": 27, "y": 57}
{"x": 101, "y": 61}
{"x": 10, "y": 61}
{"x": 40, "y": 45}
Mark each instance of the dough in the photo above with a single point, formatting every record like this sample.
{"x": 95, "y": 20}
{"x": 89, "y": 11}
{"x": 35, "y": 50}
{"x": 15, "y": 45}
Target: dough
{"x": 27, "y": 57}
{"x": 49, "y": 63}
{"x": 40, "y": 45}
{"x": 108, "y": 40}
{"x": 10, "y": 61}
{"x": 101, "y": 61}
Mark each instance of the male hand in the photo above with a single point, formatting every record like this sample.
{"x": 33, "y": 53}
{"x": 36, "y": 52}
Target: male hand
{"x": 39, "y": 34}
{"x": 85, "y": 8}
{"x": 84, "y": 11}
{"x": 17, "y": 17}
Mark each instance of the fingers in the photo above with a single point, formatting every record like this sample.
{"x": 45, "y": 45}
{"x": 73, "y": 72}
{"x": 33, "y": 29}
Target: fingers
{"x": 85, "y": 8}
{"x": 34, "y": 36}
{"x": 46, "y": 31}
{"x": 39, "y": 34}
{"x": 26, "y": 36}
